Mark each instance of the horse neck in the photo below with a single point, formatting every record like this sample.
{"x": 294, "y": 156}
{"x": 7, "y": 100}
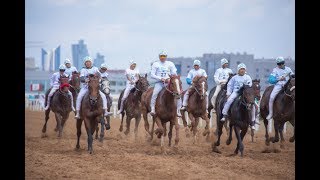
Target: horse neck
{"x": 93, "y": 91}
{"x": 168, "y": 98}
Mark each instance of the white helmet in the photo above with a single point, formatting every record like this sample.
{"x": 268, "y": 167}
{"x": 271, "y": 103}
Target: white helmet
{"x": 241, "y": 65}
{"x": 132, "y": 62}
{"x": 67, "y": 61}
{"x": 62, "y": 67}
{"x": 197, "y": 62}
{"x": 224, "y": 61}
{"x": 87, "y": 58}
{"x": 163, "y": 54}
{"x": 280, "y": 59}
{"x": 104, "y": 65}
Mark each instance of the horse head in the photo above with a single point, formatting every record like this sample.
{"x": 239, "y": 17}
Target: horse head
{"x": 289, "y": 87}
{"x": 142, "y": 84}
{"x": 175, "y": 86}
{"x": 75, "y": 81}
{"x": 247, "y": 96}
{"x": 64, "y": 79}
{"x": 256, "y": 87}
{"x": 105, "y": 85}
{"x": 200, "y": 85}
{"x": 64, "y": 87}
{"x": 93, "y": 86}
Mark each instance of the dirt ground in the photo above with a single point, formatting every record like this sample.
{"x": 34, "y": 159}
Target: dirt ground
{"x": 124, "y": 157}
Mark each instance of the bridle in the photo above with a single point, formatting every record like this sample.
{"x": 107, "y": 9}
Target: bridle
{"x": 175, "y": 94}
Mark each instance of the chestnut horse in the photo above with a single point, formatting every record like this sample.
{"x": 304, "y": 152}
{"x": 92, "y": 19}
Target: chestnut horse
{"x": 132, "y": 105}
{"x": 75, "y": 86}
{"x": 91, "y": 110}
{"x": 165, "y": 107}
{"x": 197, "y": 106}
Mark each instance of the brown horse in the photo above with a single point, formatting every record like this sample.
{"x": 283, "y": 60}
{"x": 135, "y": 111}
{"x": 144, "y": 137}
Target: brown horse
{"x": 240, "y": 117}
{"x": 91, "y": 110}
{"x": 60, "y": 105}
{"x": 283, "y": 110}
{"x": 166, "y": 109}
{"x": 105, "y": 88}
{"x": 132, "y": 105}
{"x": 197, "y": 106}
{"x": 256, "y": 87}
{"x": 75, "y": 86}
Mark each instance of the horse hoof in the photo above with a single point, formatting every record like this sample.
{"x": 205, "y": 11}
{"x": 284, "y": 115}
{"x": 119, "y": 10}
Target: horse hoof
{"x": 217, "y": 143}
{"x": 55, "y": 129}
{"x": 108, "y": 126}
{"x": 216, "y": 150}
{"x": 120, "y": 129}
{"x": 126, "y": 132}
{"x": 77, "y": 146}
{"x": 267, "y": 143}
{"x": 43, "y": 135}
{"x": 291, "y": 139}
{"x": 228, "y": 142}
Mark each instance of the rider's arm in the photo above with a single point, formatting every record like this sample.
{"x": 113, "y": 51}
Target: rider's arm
{"x": 249, "y": 81}
{"x": 204, "y": 73}
{"x": 53, "y": 76}
{"x": 189, "y": 78}
{"x": 154, "y": 71}
{"x": 216, "y": 76}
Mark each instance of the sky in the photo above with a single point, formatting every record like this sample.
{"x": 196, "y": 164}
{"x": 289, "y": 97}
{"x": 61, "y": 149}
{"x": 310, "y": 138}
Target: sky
{"x": 122, "y": 30}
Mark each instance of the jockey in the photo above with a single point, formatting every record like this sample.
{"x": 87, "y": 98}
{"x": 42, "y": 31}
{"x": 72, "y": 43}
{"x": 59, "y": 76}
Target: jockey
{"x": 69, "y": 68}
{"x": 55, "y": 84}
{"x": 132, "y": 76}
{"x": 279, "y": 77}
{"x": 220, "y": 77}
{"x": 160, "y": 71}
{"x": 233, "y": 86}
{"x": 85, "y": 71}
{"x": 103, "y": 71}
{"x": 197, "y": 71}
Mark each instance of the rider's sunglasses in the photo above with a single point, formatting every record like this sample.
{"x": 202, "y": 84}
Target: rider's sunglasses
{"x": 279, "y": 64}
{"x": 63, "y": 70}
{"x": 104, "y": 69}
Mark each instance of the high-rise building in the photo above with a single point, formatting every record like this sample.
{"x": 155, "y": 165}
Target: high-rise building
{"x": 50, "y": 59}
{"x": 98, "y": 60}
{"x": 79, "y": 51}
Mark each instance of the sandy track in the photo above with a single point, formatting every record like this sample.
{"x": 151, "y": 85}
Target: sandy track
{"x": 121, "y": 157}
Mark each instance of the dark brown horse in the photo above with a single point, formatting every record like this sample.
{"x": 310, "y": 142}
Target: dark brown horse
{"x": 240, "y": 117}
{"x": 197, "y": 106}
{"x": 60, "y": 105}
{"x": 132, "y": 105}
{"x": 105, "y": 88}
{"x": 75, "y": 86}
{"x": 91, "y": 110}
{"x": 166, "y": 109}
{"x": 257, "y": 90}
{"x": 283, "y": 110}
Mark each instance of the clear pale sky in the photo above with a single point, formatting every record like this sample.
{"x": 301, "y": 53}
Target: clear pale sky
{"x": 139, "y": 29}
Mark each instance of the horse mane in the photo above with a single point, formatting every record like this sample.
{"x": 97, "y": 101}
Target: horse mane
{"x": 240, "y": 92}
{"x": 286, "y": 85}
{"x": 256, "y": 80}
{"x": 230, "y": 76}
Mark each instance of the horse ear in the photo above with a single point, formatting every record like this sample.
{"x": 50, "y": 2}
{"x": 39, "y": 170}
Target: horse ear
{"x": 146, "y": 75}
{"x": 259, "y": 80}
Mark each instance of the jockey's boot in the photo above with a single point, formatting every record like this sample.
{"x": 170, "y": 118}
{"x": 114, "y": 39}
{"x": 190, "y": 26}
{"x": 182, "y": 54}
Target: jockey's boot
{"x": 153, "y": 112}
{"x": 121, "y": 108}
{"x": 107, "y": 113}
{"x": 269, "y": 117}
{"x": 223, "y": 118}
{"x": 178, "y": 113}
{"x": 48, "y": 104}
{"x": 77, "y": 115}
{"x": 183, "y": 108}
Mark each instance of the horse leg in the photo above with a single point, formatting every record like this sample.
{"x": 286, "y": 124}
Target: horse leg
{"x": 225, "y": 124}
{"x": 230, "y": 135}
{"x": 160, "y": 130}
{"x": 44, "y": 129}
{"x": 79, "y": 124}
{"x": 121, "y": 125}
{"x": 138, "y": 118}
{"x": 185, "y": 124}
{"x": 146, "y": 123}
{"x": 59, "y": 119}
{"x": 276, "y": 133}
{"x": 267, "y": 133}
{"x": 108, "y": 122}
{"x": 294, "y": 130}
{"x": 219, "y": 133}
{"x": 281, "y": 135}
{"x": 97, "y": 132}
{"x": 206, "y": 132}
{"x": 102, "y": 122}
{"x": 176, "y": 125}
{"x": 152, "y": 130}
{"x": 242, "y": 134}
{"x": 239, "y": 144}
{"x": 193, "y": 126}
{"x": 89, "y": 134}
{"x": 170, "y": 132}
{"x": 128, "y": 121}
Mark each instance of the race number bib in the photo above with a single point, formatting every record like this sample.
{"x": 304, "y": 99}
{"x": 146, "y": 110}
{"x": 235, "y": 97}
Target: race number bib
{"x": 163, "y": 71}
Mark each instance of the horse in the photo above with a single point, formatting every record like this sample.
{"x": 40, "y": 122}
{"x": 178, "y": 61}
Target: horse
{"x": 240, "y": 118}
{"x": 91, "y": 110}
{"x": 165, "y": 107}
{"x": 218, "y": 110}
{"x": 105, "y": 88}
{"x": 75, "y": 86}
{"x": 257, "y": 90}
{"x": 132, "y": 105}
{"x": 283, "y": 110}
{"x": 197, "y": 106}
{"x": 60, "y": 105}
